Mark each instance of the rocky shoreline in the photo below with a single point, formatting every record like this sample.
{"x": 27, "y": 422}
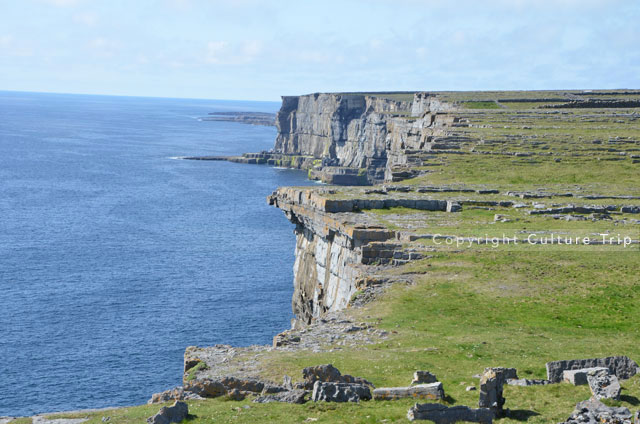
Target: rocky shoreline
{"x": 251, "y": 118}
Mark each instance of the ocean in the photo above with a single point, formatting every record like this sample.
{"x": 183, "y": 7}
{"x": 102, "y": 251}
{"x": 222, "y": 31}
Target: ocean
{"x": 115, "y": 256}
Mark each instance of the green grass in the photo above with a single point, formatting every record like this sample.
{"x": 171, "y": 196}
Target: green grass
{"x": 466, "y": 311}
{"x": 515, "y": 174}
{"x": 191, "y": 374}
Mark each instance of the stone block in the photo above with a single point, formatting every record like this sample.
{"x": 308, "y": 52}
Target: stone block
{"x": 441, "y": 414}
{"x": 579, "y": 377}
{"x": 340, "y": 392}
{"x": 433, "y": 391}
{"x": 423, "y": 377}
{"x": 491, "y": 389}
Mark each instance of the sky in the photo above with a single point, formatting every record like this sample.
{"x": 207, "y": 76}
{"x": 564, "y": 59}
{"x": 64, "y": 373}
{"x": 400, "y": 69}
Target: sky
{"x": 260, "y": 50}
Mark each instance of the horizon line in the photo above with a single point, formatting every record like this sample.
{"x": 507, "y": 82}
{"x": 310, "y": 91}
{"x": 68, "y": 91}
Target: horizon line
{"x": 135, "y": 96}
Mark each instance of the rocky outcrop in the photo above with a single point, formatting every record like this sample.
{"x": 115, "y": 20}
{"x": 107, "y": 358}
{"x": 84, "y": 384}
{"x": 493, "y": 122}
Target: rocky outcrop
{"x": 593, "y": 412}
{"x": 206, "y": 388}
{"x": 178, "y": 393}
{"x": 251, "y": 118}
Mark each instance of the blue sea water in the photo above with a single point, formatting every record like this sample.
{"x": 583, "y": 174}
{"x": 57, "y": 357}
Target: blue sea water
{"x": 114, "y": 257}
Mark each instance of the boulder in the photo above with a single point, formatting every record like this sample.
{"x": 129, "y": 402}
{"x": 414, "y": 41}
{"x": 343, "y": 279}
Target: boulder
{"x": 340, "y": 392}
{"x": 329, "y": 373}
{"x": 272, "y": 388}
{"x": 170, "y": 414}
{"x": 235, "y": 394}
{"x": 441, "y": 414}
{"x": 593, "y": 411}
{"x": 508, "y": 373}
{"x": 423, "y": 377}
{"x": 603, "y": 385}
{"x": 206, "y": 388}
{"x": 290, "y": 396}
{"x": 491, "y": 389}
{"x": 579, "y": 377}
{"x": 621, "y": 366}
{"x": 433, "y": 391}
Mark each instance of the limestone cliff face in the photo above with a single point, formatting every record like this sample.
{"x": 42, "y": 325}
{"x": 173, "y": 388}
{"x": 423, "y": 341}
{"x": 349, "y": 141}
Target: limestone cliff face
{"x": 348, "y": 137}
{"x": 334, "y": 245}
{"x": 331, "y": 247}
{"x": 359, "y": 132}
{"x": 343, "y": 130}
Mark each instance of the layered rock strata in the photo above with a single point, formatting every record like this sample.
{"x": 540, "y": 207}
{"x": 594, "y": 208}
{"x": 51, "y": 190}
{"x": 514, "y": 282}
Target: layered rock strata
{"x": 333, "y": 245}
{"x": 358, "y": 139}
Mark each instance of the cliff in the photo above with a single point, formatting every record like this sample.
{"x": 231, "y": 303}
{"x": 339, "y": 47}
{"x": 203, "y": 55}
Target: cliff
{"x": 359, "y": 139}
{"x": 354, "y": 139}
{"x": 335, "y": 244}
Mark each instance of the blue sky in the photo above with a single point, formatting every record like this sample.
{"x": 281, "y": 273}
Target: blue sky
{"x": 259, "y": 50}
